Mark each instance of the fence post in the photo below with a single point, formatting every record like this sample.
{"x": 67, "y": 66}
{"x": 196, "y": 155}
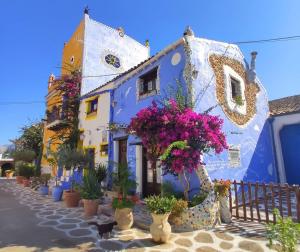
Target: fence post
{"x": 280, "y": 200}
{"x": 273, "y": 200}
{"x": 266, "y": 202}
{"x": 257, "y": 201}
{"x": 250, "y": 199}
{"x": 297, "y": 192}
{"x": 243, "y": 200}
{"x": 288, "y": 199}
{"x": 236, "y": 200}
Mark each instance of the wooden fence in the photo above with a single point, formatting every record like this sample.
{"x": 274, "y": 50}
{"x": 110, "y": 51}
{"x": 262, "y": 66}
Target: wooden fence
{"x": 256, "y": 201}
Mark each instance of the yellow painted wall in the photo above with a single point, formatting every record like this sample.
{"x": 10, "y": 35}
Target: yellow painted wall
{"x": 73, "y": 48}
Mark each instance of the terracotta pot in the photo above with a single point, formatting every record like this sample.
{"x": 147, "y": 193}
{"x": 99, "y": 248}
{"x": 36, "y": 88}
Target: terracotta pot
{"x": 90, "y": 207}
{"x": 160, "y": 229}
{"x": 19, "y": 179}
{"x": 124, "y": 218}
{"x": 26, "y": 182}
{"x": 71, "y": 198}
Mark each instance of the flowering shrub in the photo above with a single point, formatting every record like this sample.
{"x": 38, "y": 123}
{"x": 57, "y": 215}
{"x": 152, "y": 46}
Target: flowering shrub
{"x": 194, "y": 133}
{"x": 127, "y": 202}
{"x": 222, "y": 187}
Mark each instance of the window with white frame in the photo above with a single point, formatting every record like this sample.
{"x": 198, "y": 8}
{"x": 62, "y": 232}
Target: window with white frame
{"x": 235, "y": 91}
{"x": 147, "y": 83}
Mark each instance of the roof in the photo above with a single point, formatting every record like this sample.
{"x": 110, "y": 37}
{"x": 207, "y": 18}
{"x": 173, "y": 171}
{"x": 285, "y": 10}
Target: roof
{"x": 286, "y": 105}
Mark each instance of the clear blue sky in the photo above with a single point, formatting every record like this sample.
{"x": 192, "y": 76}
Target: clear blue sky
{"x": 32, "y": 34}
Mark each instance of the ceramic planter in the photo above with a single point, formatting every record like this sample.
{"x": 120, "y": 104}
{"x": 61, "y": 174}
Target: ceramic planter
{"x": 9, "y": 174}
{"x": 71, "y": 198}
{"x": 90, "y": 207}
{"x": 26, "y": 182}
{"x": 160, "y": 229}
{"x": 44, "y": 190}
{"x": 19, "y": 179}
{"x": 124, "y": 218}
{"x": 224, "y": 209}
{"x": 57, "y": 192}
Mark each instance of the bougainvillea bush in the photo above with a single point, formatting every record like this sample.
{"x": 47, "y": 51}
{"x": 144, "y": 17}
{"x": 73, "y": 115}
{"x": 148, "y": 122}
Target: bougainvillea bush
{"x": 180, "y": 136}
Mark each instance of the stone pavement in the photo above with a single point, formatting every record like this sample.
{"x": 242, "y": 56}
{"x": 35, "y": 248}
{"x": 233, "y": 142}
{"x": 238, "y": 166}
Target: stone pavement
{"x": 239, "y": 236}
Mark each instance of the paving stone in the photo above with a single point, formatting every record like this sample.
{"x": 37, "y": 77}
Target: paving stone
{"x": 180, "y": 250}
{"x": 70, "y": 221}
{"x": 204, "y": 237}
{"x": 184, "y": 242}
{"x": 226, "y": 245}
{"x": 250, "y": 246}
{"x": 67, "y": 226}
{"x": 223, "y": 236}
{"x": 80, "y": 232}
{"x": 46, "y": 213}
{"x": 110, "y": 246}
{"x": 206, "y": 249}
{"x": 126, "y": 238}
{"x": 189, "y": 234}
{"x": 54, "y": 217}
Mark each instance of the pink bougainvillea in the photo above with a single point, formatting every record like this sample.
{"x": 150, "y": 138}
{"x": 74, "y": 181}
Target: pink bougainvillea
{"x": 160, "y": 126}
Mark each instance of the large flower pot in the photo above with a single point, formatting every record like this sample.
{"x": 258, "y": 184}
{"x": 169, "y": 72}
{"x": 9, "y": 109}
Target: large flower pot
{"x": 26, "y": 182}
{"x": 224, "y": 209}
{"x": 44, "y": 190}
{"x": 160, "y": 229}
{"x": 71, "y": 198}
{"x": 124, "y": 218}
{"x": 9, "y": 175}
{"x": 19, "y": 179}
{"x": 90, "y": 207}
{"x": 57, "y": 192}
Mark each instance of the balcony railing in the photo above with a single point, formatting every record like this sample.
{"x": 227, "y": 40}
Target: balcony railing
{"x": 56, "y": 120}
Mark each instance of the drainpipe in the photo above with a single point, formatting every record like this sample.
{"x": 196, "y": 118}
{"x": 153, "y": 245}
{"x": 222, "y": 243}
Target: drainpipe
{"x": 110, "y": 138}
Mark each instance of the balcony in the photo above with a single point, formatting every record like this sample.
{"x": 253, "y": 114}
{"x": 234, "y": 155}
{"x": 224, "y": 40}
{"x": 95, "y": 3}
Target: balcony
{"x": 56, "y": 120}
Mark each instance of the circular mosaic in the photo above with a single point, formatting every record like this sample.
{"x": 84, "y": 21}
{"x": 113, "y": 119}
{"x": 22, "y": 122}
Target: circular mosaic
{"x": 112, "y": 60}
{"x": 176, "y": 59}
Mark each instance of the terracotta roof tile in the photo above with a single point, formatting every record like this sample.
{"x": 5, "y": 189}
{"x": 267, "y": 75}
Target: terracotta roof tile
{"x": 290, "y": 104}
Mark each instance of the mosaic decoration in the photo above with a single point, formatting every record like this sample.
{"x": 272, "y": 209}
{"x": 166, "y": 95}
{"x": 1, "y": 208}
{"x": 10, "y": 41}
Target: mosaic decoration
{"x": 251, "y": 89}
{"x": 206, "y": 214}
{"x": 112, "y": 60}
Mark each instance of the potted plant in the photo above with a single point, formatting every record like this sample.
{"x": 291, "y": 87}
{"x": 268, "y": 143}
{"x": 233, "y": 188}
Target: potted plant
{"x": 160, "y": 208}
{"x": 26, "y": 170}
{"x": 123, "y": 204}
{"x": 57, "y": 191}
{"x": 72, "y": 159}
{"x": 44, "y": 188}
{"x": 9, "y": 173}
{"x": 222, "y": 188}
{"x": 90, "y": 192}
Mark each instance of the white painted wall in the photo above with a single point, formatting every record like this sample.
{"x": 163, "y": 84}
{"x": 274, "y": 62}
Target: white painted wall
{"x": 94, "y": 128}
{"x": 100, "y": 40}
{"x": 278, "y": 123}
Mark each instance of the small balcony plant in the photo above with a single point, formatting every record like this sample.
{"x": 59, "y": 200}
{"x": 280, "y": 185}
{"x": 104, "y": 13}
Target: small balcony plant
{"x": 90, "y": 192}
{"x": 160, "y": 208}
{"x": 124, "y": 203}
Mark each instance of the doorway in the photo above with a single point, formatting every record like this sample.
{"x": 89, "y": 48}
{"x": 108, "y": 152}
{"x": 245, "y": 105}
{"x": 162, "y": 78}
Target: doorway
{"x": 151, "y": 177}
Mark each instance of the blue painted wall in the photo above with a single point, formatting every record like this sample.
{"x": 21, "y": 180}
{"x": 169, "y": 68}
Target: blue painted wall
{"x": 290, "y": 142}
{"x": 254, "y": 139}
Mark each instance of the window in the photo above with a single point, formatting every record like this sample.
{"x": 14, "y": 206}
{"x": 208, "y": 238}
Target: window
{"x": 92, "y": 106}
{"x": 234, "y": 155}
{"x": 235, "y": 88}
{"x": 148, "y": 82}
{"x": 103, "y": 149}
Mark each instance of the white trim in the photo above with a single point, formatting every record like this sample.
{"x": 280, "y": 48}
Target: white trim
{"x": 139, "y": 168}
{"x": 229, "y": 73}
{"x": 116, "y": 152}
{"x": 278, "y": 123}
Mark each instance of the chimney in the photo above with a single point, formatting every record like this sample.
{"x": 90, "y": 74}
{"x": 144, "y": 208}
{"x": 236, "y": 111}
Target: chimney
{"x": 253, "y": 59}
